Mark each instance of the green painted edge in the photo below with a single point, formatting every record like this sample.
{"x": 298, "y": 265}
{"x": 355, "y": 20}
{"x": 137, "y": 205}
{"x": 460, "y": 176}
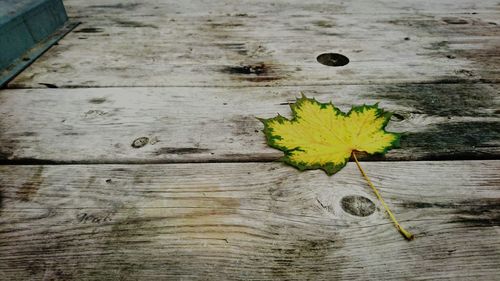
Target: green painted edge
{"x": 25, "y": 8}
{"x": 330, "y": 168}
{"x": 26, "y": 23}
{"x": 34, "y": 53}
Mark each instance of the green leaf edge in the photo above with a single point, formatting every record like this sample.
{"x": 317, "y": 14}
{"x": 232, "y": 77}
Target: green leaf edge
{"x": 329, "y": 168}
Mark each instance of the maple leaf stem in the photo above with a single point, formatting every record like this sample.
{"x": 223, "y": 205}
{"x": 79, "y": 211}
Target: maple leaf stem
{"x": 405, "y": 233}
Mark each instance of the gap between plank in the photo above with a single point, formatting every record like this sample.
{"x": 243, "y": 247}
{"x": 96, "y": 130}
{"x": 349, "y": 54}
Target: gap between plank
{"x": 32, "y": 162}
{"x": 445, "y": 82}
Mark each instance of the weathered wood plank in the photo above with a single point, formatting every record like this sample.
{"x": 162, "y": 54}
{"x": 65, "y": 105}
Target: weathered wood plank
{"x": 267, "y": 47}
{"x": 171, "y": 7}
{"x": 219, "y": 124}
{"x": 251, "y": 221}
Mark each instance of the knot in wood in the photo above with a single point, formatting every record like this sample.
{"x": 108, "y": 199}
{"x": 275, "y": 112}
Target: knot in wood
{"x": 357, "y": 205}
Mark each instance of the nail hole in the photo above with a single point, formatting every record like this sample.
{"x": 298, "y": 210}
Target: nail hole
{"x": 397, "y": 117}
{"x": 357, "y": 205}
{"x": 332, "y": 59}
{"x": 454, "y": 20}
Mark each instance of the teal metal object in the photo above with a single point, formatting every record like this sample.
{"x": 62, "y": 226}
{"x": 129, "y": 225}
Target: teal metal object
{"x": 27, "y": 29}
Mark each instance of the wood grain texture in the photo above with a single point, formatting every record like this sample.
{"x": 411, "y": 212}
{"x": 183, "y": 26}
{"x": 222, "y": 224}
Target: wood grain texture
{"x": 247, "y": 221}
{"x": 92, "y": 8}
{"x": 231, "y": 43}
{"x": 163, "y": 81}
{"x": 187, "y": 124}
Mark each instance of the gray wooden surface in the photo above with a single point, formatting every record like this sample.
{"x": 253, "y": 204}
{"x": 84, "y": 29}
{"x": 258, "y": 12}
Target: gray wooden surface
{"x": 215, "y": 49}
{"x": 258, "y": 221}
{"x": 131, "y": 150}
{"x": 193, "y": 124}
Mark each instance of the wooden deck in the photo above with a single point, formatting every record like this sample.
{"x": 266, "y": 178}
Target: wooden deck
{"x": 131, "y": 151}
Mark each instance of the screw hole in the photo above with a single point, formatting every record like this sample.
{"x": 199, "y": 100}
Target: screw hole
{"x": 140, "y": 142}
{"x": 332, "y": 59}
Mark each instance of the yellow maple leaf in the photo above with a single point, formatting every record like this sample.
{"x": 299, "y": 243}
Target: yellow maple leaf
{"x": 321, "y": 136}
